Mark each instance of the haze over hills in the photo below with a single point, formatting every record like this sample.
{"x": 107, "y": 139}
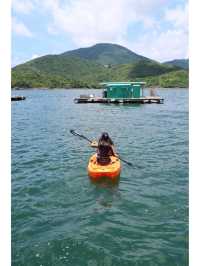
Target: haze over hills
{"x": 86, "y": 67}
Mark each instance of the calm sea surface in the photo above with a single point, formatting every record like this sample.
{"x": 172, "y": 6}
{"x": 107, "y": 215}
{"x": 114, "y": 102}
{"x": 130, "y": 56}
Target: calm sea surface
{"x": 60, "y": 218}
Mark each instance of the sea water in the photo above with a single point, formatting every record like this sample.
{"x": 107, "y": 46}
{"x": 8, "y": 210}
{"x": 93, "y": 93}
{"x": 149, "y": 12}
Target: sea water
{"x": 60, "y": 218}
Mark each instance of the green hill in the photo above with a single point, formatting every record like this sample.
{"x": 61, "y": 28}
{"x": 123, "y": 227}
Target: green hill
{"x": 141, "y": 69}
{"x": 174, "y": 79}
{"x": 106, "y": 54}
{"x": 182, "y": 63}
{"x": 25, "y": 77}
{"x": 65, "y": 66}
{"x": 67, "y": 70}
{"x": 58, "y": 71}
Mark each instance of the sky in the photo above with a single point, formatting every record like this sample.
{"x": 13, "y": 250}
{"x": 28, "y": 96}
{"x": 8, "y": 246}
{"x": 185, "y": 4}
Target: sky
{"x": 157, "y": 29}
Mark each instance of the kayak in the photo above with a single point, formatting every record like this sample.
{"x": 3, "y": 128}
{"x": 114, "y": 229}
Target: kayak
{"x": 97, "y": 171}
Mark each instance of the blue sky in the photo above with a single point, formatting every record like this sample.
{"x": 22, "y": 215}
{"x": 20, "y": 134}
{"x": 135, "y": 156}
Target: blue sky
{"x": 154, "y": 28}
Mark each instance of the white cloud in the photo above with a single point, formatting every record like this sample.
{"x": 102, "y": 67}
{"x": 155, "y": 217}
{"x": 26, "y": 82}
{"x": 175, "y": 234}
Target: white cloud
{"x": 34, "y": 56}
{"x": 19, "y": 28}
{"x": 171, "y": 43}
{"x": 164, "y": 46}
{"x": 88, "y": 22}
{"x": 85, "y": 22}
{"x": 22, "y": 6}
{"x": 178, "y": 16}
{"x": 51, "y": 30}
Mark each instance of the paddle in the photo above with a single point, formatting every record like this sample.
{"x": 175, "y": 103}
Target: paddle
{"x": 81, "y": 136}
{"x": 73, "y": 132}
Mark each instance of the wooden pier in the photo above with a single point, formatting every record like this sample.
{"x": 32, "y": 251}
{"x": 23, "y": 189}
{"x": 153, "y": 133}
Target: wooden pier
{"x": 141, "y": 100}
{"x": 18, "y": 98}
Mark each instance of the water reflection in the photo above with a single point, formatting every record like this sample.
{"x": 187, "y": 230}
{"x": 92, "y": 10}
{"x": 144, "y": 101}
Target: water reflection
{"x": 106, "y": 192}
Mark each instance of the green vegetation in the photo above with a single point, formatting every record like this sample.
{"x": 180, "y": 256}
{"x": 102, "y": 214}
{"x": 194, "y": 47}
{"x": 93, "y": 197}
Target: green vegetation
{"x": 148, "y": 68}
{"x": 30, "y": 78}
{"x": 106, "y": 54}
{"x": 183, "y": 63}
{"x": 179, "y": 79}
{"x": 140, "y": 69}
{"x": 69, "y": 70}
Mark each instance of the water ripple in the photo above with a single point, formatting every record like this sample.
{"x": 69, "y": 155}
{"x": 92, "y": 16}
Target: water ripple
{"x": 59, "y": 217}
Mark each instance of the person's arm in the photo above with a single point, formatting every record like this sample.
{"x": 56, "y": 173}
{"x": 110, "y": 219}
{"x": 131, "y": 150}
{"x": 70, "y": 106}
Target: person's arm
{"x": 113, "y": 150}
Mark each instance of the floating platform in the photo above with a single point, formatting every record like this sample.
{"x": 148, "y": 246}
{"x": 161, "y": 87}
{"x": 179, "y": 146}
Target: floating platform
{"x": 142, "y": 100}
{"x": 18, "y": 98}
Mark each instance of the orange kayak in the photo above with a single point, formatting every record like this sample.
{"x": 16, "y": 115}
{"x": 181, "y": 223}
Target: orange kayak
{"x": 97, "y": 171}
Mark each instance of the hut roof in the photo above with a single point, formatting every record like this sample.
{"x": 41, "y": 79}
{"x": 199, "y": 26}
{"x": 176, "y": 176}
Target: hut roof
{"x": 121, "y": 83}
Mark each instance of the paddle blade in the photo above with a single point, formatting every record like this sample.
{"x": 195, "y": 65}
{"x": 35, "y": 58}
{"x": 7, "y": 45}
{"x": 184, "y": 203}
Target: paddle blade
{"x": 73, "y": 132}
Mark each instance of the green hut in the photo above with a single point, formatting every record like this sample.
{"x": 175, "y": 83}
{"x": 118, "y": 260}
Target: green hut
{"x": 123, "y": 90}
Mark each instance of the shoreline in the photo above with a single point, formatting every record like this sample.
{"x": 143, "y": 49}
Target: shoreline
{"x": 21, "y": 89}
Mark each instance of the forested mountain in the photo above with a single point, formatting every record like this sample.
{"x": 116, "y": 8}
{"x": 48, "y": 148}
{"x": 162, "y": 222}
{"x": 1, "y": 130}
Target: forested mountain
{"x": 86, "y": 67}
{"x": 183, "y": 63}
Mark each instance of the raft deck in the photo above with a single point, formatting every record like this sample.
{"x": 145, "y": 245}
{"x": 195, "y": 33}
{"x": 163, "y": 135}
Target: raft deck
{"x": 142, "y": 100}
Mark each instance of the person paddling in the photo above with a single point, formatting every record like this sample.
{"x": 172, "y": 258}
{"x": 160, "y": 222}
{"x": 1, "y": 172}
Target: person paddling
{"x": 94, "y": 144}
{"x": 105, "y": 149}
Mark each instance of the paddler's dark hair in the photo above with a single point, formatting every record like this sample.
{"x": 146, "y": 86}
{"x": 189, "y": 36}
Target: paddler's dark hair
{"x": 106, "y": 138}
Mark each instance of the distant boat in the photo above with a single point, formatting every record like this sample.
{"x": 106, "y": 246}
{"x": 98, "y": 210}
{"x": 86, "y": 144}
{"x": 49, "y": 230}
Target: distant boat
{"x": 18, "y": 98}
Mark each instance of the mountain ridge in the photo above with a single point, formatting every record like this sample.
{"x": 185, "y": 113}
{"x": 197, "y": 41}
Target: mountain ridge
{"x": 86, "y": 67}
{"x": 106, "y": 54}
{"x": 183, "y": 63}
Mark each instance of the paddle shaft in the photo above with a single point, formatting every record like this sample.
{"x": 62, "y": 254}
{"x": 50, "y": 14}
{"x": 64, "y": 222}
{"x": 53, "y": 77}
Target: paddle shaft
{"x": 79, "y": 135}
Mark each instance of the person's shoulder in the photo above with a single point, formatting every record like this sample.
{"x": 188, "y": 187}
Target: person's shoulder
{"x": 111, "y": 142}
